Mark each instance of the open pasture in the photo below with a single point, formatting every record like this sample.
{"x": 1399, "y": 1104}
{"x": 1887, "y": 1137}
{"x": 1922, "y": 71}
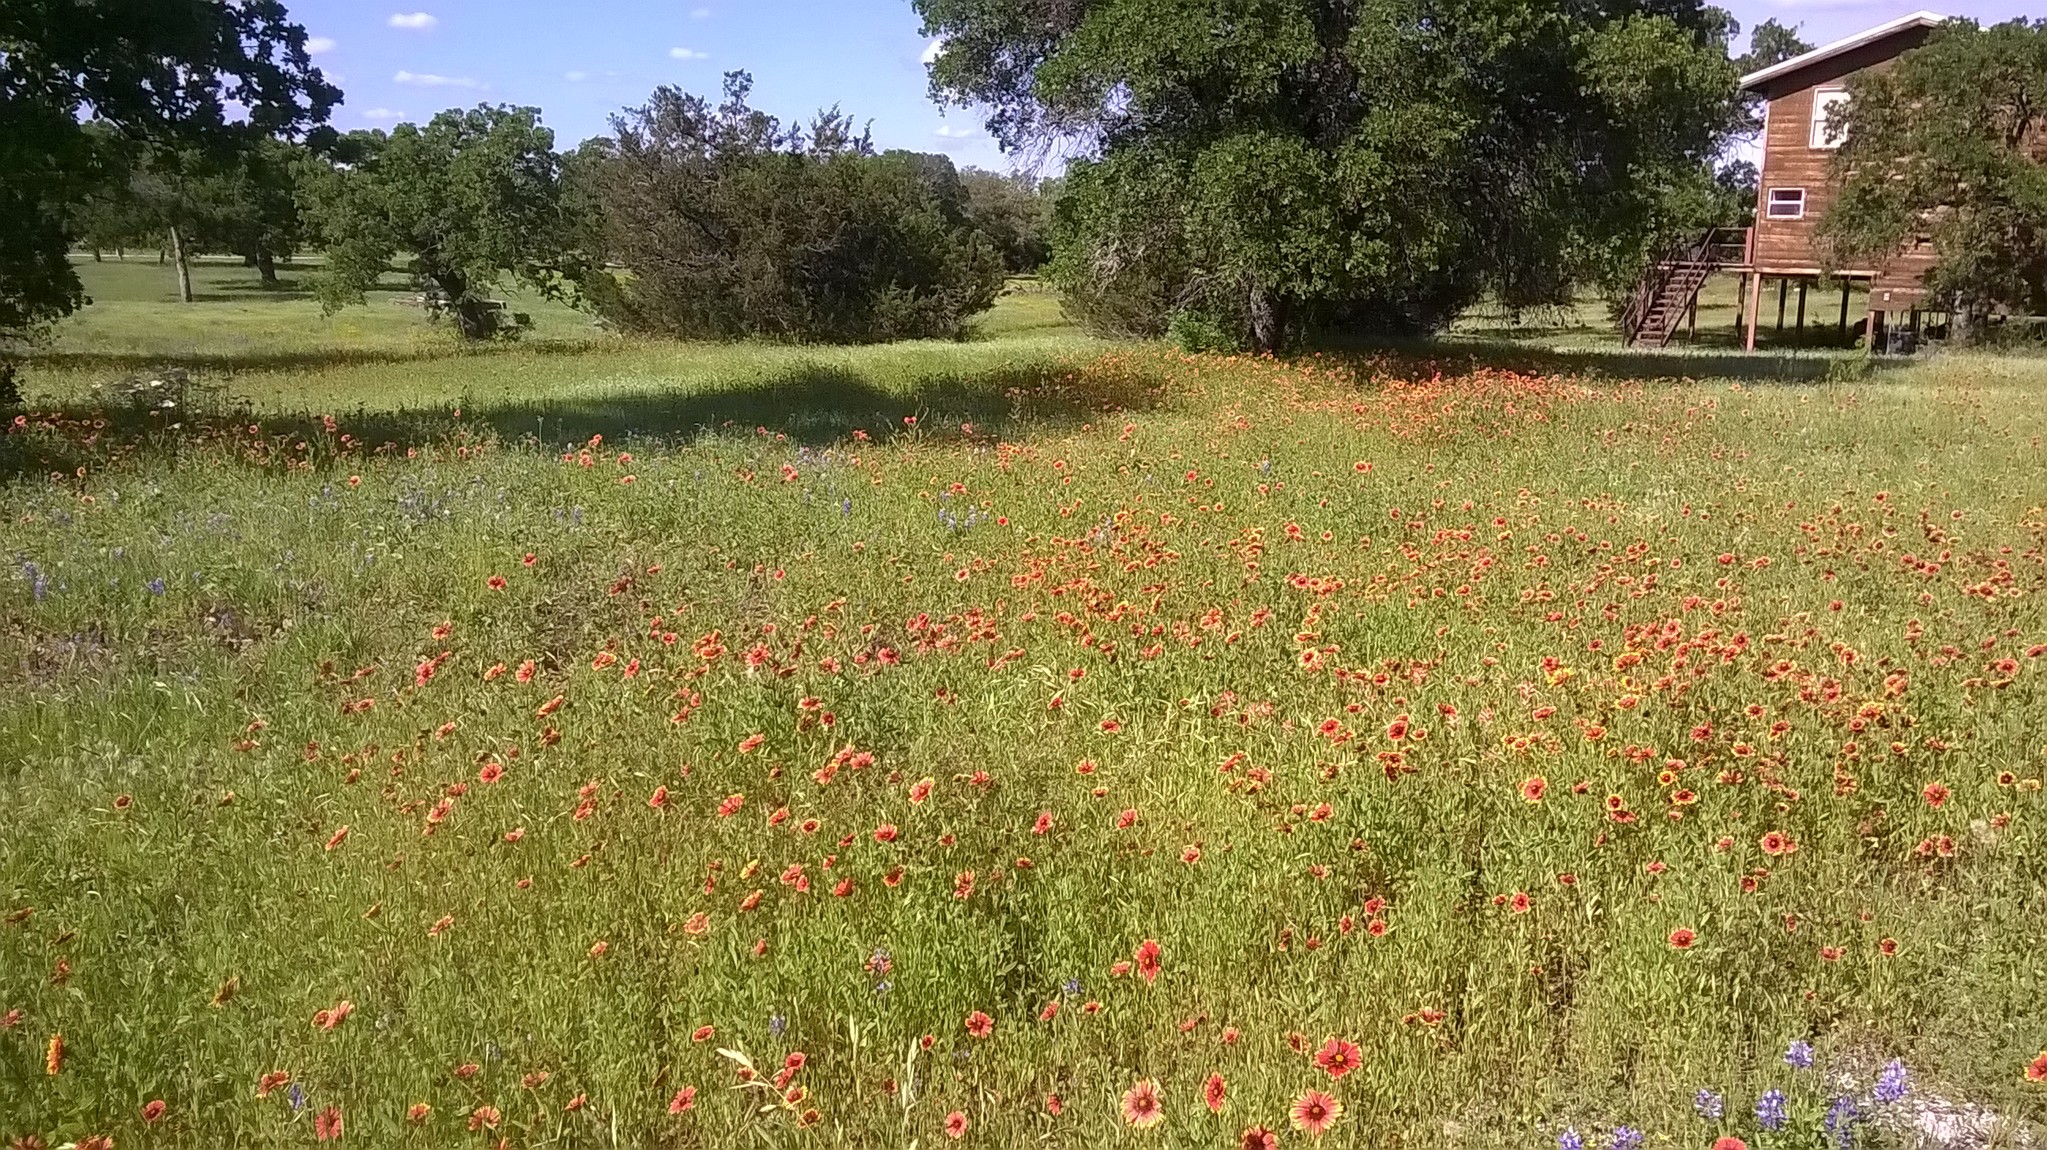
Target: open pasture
{"x": 1027, "y": 740}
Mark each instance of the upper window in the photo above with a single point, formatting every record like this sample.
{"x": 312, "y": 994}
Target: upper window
{"x": 1785, "y": 204}
{"x": 1825, "y": 100}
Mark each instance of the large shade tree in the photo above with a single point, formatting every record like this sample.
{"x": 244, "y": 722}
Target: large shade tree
{"x": 470, "y": 200}
{"x": 1289, "y": 164}
{"x": 211, "y": 75}
{"x": 1951, "y": 144}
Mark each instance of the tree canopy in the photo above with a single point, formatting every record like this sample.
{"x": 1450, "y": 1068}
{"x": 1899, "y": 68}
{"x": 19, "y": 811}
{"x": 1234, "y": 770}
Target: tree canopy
{"x": 202, "y": 74}
{"x": 721, "y": 222}
{"x": 1288, "y": 164}
{"x": 1949, "y": 144}
{"x": 471, "y": 199}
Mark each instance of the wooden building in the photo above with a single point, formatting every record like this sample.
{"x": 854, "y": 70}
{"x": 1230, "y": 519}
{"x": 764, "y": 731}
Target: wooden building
{"x": 1797, "y": 179}
{"x": 1797, "y": 182}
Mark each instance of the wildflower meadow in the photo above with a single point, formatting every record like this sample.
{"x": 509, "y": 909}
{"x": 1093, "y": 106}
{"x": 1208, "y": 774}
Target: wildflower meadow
{"x": 1055, "y": 743}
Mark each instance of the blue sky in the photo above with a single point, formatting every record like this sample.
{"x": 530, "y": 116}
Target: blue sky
{"x": 580, "y": 60}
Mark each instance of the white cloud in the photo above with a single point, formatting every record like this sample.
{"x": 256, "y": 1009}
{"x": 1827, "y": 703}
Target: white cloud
{"x": 688, "y": 54}
{"x": 414, "y": 21}
{"x": 383, "y": 115}
{"x": 700, "y": 14}
{"x": 951, "y": 133}
{"x": 576, "y": 77}
{"x": 932, "y": 51}
{"x": 429, "y": 80}
{"x": 319, "y": 44}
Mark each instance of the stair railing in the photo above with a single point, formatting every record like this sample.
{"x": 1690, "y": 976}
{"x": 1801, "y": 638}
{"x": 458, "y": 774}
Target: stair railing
{"x": 1707, "y": 252}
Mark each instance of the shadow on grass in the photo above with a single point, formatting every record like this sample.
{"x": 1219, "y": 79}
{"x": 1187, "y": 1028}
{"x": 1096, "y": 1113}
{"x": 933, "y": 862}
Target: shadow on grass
{"x": 1808, "y": 364}
{"x": 809, "y": 404}
{"x": 124, "y": 363}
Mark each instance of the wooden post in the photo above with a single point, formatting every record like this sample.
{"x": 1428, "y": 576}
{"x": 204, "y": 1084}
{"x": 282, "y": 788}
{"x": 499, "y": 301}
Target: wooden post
{"x": 1873, "y": 339}
{"x": 1783, "y": 291}
{"x": 1755, "y": 310}
{"x": 1740, "y": 300}
{"x": 1844, "y": 309}
{"x": 1802, "y": 286}
{"x": 1692, "y": 323}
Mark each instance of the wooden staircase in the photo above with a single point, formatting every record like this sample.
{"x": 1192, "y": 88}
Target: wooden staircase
{"x": 1667, "y": 290}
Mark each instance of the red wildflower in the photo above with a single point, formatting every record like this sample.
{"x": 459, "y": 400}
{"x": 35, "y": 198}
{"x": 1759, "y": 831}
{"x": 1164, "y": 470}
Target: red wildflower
{"x": 1212, "y": 1092}
{"x": 2036, "y": 1070}
{"x": 1257, "y": 1138}
{"x": 1683, "y": 937}
{"x": 980, "y": 1025}
{"x": 955, "y": 1125}
{"x": 685, "y": 1099}
{"x": 327, "y": 1124}
{"x": 1533, "y": 788}
{"x": 1338, "y": 1058}
{"x": 152, "y": 1111}
{"x": 1142, "y": 1106}
{"x": 1149, "y": 960}
{"x": 1314, "y": 1112}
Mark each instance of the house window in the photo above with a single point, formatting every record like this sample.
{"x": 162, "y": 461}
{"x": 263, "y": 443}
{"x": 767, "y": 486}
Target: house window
{"x": 1786, "y": 204}
{"x": 1824, "y": 101}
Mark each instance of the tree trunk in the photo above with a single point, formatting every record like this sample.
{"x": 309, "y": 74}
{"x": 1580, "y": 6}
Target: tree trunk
{"x": 96, "y": 256}
{"x": 472, "y": 319}
{"x": 1268, "y": 319}
{"x": 184, "y": 267}
{"x": 266, "y": 264}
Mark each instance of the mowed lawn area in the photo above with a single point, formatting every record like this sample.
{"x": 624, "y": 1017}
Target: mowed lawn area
{"x": 1029, "y": 740}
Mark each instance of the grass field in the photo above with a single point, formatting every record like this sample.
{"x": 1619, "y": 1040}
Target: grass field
{"x": 1502, "y": 742}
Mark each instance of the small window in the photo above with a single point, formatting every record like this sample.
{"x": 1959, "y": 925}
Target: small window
{"x": 1824, "y": 101}
{"x": 1786, "y": 204}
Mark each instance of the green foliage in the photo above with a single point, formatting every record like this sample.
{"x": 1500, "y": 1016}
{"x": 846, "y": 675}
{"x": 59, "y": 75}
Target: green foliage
{"x": 163, "y": 71}
{"x": 1195, "y": 332}
{"x": 472, "y": 199}
{"x": 1949, "y": 146}
{"x": 1015, "y": 213}
{"x": 1314, "y": 165}
{"x": 1769, "y": 43}
{"x": 723, "y": 223}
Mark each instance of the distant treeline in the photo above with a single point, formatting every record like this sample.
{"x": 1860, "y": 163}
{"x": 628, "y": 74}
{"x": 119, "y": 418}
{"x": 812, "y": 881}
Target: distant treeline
{"x": 694, "y": 219}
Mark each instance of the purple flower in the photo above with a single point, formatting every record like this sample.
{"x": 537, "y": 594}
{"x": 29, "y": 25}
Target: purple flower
{"x": 1893, "y": 1083}
{"x": 1799, "y": 1054}
{"x": 1770, "y": 1110}
{"x": 1570, "y": 1139}
{"x": 1711, "y": 1106}
{"x": 1627, "y": 1138}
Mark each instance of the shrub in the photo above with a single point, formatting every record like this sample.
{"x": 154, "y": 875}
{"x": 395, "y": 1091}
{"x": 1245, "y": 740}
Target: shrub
{"x": 719, "y": 223}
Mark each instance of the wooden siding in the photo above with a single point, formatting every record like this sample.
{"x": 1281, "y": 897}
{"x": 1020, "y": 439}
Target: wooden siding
{"x": 1789, "y": 247}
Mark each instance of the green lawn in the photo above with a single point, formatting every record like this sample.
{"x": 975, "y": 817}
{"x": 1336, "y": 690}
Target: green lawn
{"x": 597, "y": 742}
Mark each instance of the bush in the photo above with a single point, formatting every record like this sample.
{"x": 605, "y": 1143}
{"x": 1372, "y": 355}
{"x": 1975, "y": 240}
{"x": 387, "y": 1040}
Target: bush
{"x": 721, "y": 224}
{"x": 1196, "y": 331}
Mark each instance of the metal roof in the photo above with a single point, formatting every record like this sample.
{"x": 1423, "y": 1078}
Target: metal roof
{"x": 1849, "y": 44}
